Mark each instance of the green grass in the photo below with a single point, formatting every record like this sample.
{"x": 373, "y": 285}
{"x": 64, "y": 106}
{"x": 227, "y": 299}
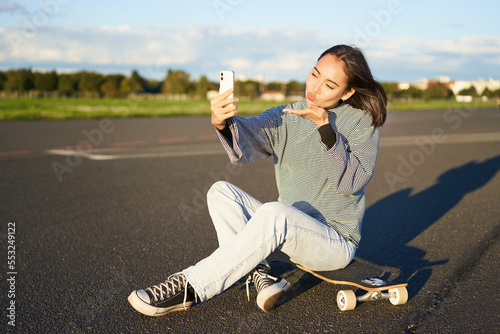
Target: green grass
{"x": 421, "y": 104}
{"x": 55, "y": 109}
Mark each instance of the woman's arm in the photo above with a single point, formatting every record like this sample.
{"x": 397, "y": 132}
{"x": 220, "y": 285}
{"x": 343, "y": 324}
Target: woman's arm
{"x": 245, "y": 140}
{"x": 350, "y": 162}
{"x": 250, "y": 139}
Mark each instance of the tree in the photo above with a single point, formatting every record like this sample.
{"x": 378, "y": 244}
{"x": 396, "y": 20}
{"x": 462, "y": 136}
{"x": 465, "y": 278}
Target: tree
{"x": 111, "y": 84}
{"x": 414, "y": 92}
{"x": 135, "y": 84}
{"x": 469, "y": 91}
{"x": 437, "y": 91}
{"x": 152, "y": 86}
{"x": 390, "y": 88}
{"x": 67, "y": 83}
{"x": 45, "y": 81}
{"x": 489, "y": 93}
{"x": 176, "y": 82}
{"x": 495, "y": 93}
{"x": 89, "y": 81}
{"x": 247, "y": 88}
{"x": 3, "y": 77}
{"x": 250, "y": 89}
{"x": 274, "y": 86}
{"x": 19, "y": 80}
{"x": 295, "y": 88}
{"x": 202, "y": 87}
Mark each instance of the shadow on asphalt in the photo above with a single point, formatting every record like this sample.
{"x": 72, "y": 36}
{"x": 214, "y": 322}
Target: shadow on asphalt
{"x": 391, "y": 223}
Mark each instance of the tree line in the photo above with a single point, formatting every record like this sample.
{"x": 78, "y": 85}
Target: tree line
{"x": 435, "y": 90}
{"x": 88, "y": 83}
{"x": 178, "y": 83}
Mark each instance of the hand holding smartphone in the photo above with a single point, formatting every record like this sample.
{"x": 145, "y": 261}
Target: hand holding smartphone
{"x": 221, "y": 109}
{"x": 226, "y": 82}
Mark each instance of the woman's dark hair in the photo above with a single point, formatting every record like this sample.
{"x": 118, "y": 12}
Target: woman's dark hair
{"x": 369, "y": 94}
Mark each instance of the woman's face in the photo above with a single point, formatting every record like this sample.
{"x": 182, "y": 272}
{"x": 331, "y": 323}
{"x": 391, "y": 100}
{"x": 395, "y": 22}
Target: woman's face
{"x": 327, "y": 83}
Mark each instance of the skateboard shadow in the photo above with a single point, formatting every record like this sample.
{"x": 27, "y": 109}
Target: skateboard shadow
{"x": 394, "y": 221}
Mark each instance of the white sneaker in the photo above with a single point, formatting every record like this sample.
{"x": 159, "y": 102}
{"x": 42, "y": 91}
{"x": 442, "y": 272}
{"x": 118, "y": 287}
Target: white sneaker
{"x": 174, "y": 294}
{"x": 269, "y": 288}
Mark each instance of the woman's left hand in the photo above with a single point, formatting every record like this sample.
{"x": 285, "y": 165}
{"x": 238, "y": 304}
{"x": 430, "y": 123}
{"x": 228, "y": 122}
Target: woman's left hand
{"x": 313, "y": 113}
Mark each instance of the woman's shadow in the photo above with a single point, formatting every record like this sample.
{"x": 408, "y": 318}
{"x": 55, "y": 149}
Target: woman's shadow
{"x": 391, "y": 223}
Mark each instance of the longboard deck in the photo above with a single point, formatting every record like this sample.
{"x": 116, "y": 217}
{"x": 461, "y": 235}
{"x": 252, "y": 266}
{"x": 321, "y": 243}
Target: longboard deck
{"x": 362, "y": 274}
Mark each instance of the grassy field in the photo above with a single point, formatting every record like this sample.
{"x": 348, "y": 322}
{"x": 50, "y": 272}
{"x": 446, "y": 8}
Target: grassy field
{"x": 56, "y": 109}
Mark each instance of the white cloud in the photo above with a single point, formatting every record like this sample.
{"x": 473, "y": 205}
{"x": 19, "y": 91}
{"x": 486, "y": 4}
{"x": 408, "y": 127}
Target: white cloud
{"x": 459, "y": 57}
{"x": 105, "y": 45}
{"x": 10, "y": 6}
{"x": 467, "y": 45}
{"x": 238, "y": 63}
{"x": 277, "y": 51}
{"x": 280, "y": 53}
{"x": 288, "y": 62}
{"x": 118, "y": 29}
{"x": 50, "y": 54}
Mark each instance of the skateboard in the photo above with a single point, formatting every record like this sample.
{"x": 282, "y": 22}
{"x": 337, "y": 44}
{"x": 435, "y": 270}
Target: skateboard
{"x": 378, "y": 282}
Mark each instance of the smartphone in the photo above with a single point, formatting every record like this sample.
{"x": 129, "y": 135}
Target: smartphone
{"x": 226, "y": 82}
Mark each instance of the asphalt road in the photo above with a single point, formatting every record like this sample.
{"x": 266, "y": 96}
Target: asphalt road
{"x": 129, "y": 208}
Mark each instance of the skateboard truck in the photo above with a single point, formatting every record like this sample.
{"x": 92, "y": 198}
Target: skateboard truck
{"x": 346, "y": 299}
{"x": 374, "y": 281}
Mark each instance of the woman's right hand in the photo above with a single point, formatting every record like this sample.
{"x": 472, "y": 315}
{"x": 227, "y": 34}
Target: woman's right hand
{"x": 223, "y": 108}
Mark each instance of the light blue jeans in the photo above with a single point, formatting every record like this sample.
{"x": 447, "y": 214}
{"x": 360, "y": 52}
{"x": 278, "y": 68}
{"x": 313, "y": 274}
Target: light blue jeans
{"x": 249, "y": 232}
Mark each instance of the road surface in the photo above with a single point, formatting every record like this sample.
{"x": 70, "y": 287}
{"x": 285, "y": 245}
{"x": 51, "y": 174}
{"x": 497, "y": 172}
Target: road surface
{"x": 103, "y": 207}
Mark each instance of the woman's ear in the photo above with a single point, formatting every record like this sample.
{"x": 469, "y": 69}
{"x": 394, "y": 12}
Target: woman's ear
{"x": 348, "y": 94}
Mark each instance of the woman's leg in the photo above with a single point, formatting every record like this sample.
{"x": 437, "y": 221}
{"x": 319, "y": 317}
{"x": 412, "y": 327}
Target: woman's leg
{"x": 230, "y": 209}
{"x": 248, "y": 233}
{"x": 273, "y": 227}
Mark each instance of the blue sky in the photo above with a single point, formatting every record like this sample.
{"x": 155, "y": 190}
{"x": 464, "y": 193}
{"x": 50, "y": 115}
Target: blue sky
{"x": 279, "y": 40}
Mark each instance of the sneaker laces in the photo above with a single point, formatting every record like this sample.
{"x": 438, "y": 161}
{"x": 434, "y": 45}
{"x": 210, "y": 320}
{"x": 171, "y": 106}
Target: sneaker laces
{"x": 175, "y": 282}
{"x": 262, "y": 280}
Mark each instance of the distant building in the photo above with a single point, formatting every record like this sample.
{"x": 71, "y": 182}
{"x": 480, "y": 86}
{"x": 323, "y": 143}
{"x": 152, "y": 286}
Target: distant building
{"x": 464, "y": 98}
{"x": 422, "y": 84}
{"x": 272, "y": 96}
{"x": 404, "y": 85}
{"x": 443, "y": 79}
{"x": 455, "y": 86}
{"x": 211, "y": 94}
{"x": 480, "y": 85}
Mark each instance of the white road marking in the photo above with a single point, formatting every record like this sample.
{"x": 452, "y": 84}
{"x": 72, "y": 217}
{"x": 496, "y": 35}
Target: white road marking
{"x": 484, "y": 137}
{"x": 396, "y": 141}
{"x": 102, "y": 157}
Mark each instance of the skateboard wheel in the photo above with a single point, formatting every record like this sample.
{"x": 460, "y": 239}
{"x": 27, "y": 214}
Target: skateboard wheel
{"x": 346, "y": 300}
{"x": 400, "y": 296}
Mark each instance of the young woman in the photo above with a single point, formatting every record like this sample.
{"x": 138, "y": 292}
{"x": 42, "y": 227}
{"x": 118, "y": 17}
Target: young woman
{"x": 324, "y": 150}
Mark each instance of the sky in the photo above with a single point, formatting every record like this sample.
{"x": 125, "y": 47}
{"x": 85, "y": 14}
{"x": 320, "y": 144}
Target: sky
{"x": 403, "y": 40}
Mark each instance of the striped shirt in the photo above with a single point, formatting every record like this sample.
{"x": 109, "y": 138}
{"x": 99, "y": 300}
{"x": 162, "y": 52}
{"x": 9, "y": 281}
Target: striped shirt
{"x": 326, "y": 183}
